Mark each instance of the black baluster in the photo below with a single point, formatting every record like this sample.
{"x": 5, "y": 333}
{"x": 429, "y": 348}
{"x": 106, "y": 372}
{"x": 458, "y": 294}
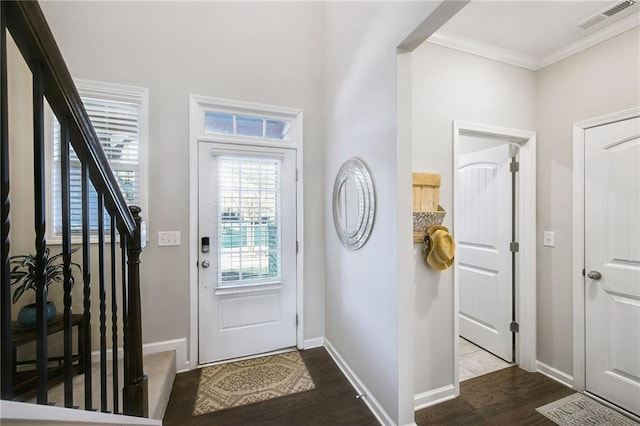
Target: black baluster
{"x": 65, "y": 181}
{"x": 40, "y": 214}
{"x": 125, "y": 319}
{"x": 114, "y": 315}
{"x": 103, "y": 306}
{"x": 86, "y": 278}
{"x": 6, "y": 352}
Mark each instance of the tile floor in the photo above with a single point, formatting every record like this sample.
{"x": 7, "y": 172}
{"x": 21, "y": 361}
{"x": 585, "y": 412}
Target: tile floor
{"x": 475, "y": 361}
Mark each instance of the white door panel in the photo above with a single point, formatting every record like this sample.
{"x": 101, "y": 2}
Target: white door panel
{"x": 612, "y": 248}
{"x": 247, "y": 279}
{"x": 483, "y": 235}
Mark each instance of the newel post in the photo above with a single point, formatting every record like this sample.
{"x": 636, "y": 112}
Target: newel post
{"x": 135, "y": 399}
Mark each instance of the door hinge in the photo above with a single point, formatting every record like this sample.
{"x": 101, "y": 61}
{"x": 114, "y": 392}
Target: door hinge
{"x": 514, "y": 166}
{"x": 296, "y": 175}
{"x": 297, "y": 247}
{"x": 514, "y": 247}
{"x": 514, "y": 327}
{"x": 297, "y": 320}
{"x": 584, "y": 272}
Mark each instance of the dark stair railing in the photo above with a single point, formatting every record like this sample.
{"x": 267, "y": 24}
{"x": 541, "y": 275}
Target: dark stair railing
{"x": 52, "y": 81}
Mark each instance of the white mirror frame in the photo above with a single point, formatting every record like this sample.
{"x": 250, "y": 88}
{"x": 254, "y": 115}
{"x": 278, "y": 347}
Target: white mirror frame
{"x": 355, "y": 235}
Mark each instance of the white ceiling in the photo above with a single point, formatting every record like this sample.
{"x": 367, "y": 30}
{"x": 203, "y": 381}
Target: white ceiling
{"x": 533, "y": 28}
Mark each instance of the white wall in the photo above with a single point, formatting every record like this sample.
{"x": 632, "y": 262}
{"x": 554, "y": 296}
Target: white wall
{"x": 452, "y": 85}
{"x": 595, "y": 82}
{"x": 368, "y": 308}
{"x": 257, "y": 52}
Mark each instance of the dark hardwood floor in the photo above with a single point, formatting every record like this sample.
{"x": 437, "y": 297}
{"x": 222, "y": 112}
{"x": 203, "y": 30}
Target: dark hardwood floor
{"x": 506, "y": 397}
{"x": 333, "y": 402}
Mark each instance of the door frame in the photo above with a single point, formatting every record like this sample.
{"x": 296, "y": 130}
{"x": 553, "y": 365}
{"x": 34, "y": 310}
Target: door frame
{"x": 526, "y": 261}
{"x": 579, "y": 329}
{"x": 197, "y": 105}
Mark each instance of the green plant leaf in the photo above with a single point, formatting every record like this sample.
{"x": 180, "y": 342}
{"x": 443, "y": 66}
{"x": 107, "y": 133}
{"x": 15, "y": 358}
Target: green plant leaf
{"x": 24, "y": 276}
{"x": 17, "y": 293}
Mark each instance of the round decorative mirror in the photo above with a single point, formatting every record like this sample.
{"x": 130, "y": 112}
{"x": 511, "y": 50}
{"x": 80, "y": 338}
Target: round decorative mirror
{"x": 354, "y": 203}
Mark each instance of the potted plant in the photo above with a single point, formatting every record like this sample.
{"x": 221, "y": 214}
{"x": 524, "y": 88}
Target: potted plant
{"x": 24, "y": 277}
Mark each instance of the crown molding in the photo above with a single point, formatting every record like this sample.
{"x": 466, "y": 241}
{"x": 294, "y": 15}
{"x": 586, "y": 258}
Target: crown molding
{"x": 529, "y": 62}
{"x": 604, "y": 34}
{"x": 484, "y": 50}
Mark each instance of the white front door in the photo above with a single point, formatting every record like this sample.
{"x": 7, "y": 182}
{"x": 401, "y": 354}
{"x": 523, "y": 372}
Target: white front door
{"x": 484, "y": 257}
{"x": 247, "y": 250}
{"x": 612, "y": 261}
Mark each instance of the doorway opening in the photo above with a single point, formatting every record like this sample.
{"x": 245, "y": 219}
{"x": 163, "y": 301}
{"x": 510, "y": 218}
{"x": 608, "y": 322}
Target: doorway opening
{"x": 246, "y": 217}
{"x": 494, "y": 225}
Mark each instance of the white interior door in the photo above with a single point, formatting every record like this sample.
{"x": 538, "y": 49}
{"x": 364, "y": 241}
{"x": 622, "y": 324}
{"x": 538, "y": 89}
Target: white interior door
{"x": 247, "y": 273}
{"x": 484, "y": 257}
{"x": 612, "y": 250}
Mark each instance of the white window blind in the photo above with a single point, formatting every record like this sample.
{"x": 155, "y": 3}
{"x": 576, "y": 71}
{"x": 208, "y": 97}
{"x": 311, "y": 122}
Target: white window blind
{"x": 249, "y": 212}
{"x": 117, "y": 124}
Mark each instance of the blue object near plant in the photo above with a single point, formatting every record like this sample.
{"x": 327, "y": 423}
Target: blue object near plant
{"x": 27, "y": 315}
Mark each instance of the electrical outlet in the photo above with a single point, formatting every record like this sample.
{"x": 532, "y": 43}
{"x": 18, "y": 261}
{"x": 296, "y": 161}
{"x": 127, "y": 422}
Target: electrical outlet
{"x": 549, "y": 239}
{"x": 168, "y": 238}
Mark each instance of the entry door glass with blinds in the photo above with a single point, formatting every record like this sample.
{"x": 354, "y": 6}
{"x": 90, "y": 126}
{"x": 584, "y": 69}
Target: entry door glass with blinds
{"x": 249, "y": 211}
{"x": 247, "y": 261}
{"x": 118, "y": 116}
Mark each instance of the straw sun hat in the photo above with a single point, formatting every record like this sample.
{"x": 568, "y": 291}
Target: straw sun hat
{"x": 442, "y": 248}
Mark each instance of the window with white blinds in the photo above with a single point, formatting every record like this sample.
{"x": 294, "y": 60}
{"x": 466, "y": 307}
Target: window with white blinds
{"x": 119, "y": 119}
{"x": 249, "y": 212}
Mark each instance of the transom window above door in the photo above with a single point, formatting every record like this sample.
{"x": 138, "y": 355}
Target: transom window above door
{"x": 226, "y": 123}
{"x": 235, "y": 122}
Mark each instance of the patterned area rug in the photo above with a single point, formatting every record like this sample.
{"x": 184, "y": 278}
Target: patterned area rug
{"x": 252, "y": 380}
{"x": 580, "y": 410}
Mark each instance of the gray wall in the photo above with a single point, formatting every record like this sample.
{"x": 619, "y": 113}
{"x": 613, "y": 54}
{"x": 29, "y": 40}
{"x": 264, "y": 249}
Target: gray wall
{"x": 369, "y": 309}
{"x": 452, "y": 85}
{"x": 595, "y": 82}
{"x": 256, "y": 52}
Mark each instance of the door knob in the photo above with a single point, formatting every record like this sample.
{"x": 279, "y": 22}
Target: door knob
{"x": 594, "y": 275}
{"x": 205, "y": 264}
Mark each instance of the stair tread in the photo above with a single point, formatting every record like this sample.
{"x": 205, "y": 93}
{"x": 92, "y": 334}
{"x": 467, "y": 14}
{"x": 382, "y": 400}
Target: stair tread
{"x": 159, "y": 367}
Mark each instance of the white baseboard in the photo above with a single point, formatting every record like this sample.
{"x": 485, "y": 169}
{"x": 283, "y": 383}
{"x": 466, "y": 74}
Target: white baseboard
{"x": 318, "y": 342}
{"x": 434, "y": 396}
{"x": 374, "y": 406}
{"x": 45, "y": 414}
{"x": 555, "y": 374}
{"x": 178, "y": 345}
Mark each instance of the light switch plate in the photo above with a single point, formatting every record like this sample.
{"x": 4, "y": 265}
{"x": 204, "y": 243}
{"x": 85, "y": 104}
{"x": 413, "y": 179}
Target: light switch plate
{"x": 168, "y": 238}
{"x": 549, "y": 239}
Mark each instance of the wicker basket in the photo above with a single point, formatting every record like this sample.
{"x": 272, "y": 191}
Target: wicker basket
{"x": 422, "y": 221}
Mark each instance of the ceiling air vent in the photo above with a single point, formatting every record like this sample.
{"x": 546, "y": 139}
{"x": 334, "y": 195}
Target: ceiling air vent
{"x": 605, "y": 14}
